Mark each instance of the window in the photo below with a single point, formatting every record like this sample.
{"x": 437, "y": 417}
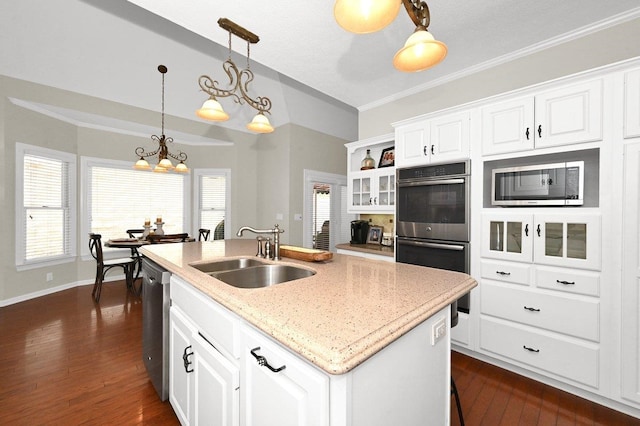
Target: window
{"x": 212, "y": 189}
{"x": 45, "y": 206}
{"x": 118, "y": 198}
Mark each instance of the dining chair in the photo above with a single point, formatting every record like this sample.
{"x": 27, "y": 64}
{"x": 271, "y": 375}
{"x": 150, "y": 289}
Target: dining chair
{"x": 167, "y": 238}
{"x": 135, "y": 233}
{"x": 103, "y": 266}
{"x": 218, "y": 233}
{"x": 203, "y": 234}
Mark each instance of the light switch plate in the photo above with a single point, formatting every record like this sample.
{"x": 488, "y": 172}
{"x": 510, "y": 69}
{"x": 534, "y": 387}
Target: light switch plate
{"x": 438, "y": 330}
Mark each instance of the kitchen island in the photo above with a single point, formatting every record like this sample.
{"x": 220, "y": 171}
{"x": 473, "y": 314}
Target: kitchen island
{"x": 365, "y": 327}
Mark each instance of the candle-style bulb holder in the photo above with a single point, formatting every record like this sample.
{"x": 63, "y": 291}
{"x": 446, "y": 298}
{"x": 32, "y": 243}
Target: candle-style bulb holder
{"x": 145, "y": 233}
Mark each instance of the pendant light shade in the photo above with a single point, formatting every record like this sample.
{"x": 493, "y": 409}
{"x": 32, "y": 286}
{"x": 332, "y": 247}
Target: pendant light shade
{"x": 260, "y": 124}
{"x": 166, "y": 164}
{"x": 421, "y": 51}
{"x": 365, "y": 16}
{"x": 212, "y": 110}
{"x": 142, "y": 164}
{"x": 181, "y": 168}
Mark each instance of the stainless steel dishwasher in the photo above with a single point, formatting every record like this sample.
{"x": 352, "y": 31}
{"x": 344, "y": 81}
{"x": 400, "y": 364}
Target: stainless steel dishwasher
{"x": 155, "y": 325}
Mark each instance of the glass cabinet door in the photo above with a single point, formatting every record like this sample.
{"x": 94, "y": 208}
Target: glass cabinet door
{"x": 568, "y": 240}
{"x": 360, "y": 191}
{"x": 507, "y": 236}
{"x": 386, "y": 189}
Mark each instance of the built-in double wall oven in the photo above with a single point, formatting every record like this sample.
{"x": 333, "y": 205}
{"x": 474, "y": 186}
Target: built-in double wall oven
{"x": 432, "y": 219}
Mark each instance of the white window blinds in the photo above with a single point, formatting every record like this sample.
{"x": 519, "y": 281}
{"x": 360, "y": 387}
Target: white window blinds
{"x": 213, "y": 202}
{"x": 120, "y": 198}
{"x": 45, "y": 199}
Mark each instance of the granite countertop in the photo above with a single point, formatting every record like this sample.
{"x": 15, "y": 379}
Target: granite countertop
{"x": 349, "y": 310}
{"x": 378, "y": 249}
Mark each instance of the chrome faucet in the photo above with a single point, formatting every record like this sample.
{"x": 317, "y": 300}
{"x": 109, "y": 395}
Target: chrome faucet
{"x": 276, "y": 231}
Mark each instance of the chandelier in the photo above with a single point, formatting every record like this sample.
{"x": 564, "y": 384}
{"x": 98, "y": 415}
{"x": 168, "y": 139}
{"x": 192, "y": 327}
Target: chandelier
{"x": 238, "y": 81}
{"x": 164, "y": 163}
{"x": 421, "y": 50}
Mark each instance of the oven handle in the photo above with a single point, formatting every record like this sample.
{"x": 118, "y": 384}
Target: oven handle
{"x": 432, "y": 182}
{"x": 453, "y": 247}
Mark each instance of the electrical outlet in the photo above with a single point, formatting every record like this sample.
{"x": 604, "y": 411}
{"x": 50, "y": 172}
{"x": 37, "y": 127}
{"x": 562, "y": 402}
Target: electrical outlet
{"x": 49, "y": 276}
{"x": 438, "y": 330}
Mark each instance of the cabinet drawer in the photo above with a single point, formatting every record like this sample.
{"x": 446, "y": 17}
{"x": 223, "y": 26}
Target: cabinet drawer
{"x": 218, "y": 325}
{"x": 573, "y": 360}
{"x": 569, "y": 280}
{"x": 562, "y": 314}
{"x": 506, "y": 271}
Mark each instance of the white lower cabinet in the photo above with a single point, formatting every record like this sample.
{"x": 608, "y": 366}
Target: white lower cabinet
{"x": 278, "y": 387}
{"x": 235, "y": 374}
{"x": 204, "y": 385}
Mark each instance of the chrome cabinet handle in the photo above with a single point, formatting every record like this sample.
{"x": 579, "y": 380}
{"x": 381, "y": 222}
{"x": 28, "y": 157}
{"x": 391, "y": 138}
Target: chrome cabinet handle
{"x": 531, "y": 349}
{"x": 185, "y": 359}
{"x": 531, "y": 309}
{"x": 566, "y": 282}
{"x": 262, "y": 361}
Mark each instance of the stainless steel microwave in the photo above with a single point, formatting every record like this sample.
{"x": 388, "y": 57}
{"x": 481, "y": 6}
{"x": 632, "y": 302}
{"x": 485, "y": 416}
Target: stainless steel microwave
{"x": 558, "y": 184}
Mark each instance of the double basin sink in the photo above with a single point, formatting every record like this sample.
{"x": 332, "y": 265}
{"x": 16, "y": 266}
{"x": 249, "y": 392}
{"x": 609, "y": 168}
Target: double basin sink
{"x": 248, "y": 272}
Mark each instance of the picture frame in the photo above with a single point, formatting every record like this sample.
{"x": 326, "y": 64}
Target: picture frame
{"x": 375, "y": 235}
{"x": 387, "y": 157}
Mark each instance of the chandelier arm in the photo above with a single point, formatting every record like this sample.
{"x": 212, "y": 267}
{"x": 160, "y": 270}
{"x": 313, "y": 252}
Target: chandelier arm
{"x": 141, "y": 153}
{"x": 261, "y": 103}
{"x": 180, "y": 156}
{"x": 418, "y": 12}
{"x": 210, "y": 86}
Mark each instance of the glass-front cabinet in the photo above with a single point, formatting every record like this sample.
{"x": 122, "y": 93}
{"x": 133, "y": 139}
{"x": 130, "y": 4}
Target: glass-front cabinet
{"x": 372, "y": 190}
{"x": 568, "y": 240}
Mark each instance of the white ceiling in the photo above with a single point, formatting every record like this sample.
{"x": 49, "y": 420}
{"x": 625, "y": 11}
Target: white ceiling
{"x": 300, "y": 39}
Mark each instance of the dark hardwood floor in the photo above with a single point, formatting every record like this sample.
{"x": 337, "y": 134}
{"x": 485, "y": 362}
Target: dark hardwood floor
{"x": 66, "y": 361}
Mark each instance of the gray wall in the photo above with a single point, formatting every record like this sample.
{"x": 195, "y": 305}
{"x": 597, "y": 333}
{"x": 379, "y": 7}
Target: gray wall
{"x": 604, "y": 47}
{"x": 266, "y": 170}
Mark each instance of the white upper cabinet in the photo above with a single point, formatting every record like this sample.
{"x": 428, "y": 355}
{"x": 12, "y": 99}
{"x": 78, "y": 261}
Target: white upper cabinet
{"x": 372, "y": 190}
{"x": 562, "y": 116}
{"x": 632, "y": 104}
{"x": 435, "y": 140}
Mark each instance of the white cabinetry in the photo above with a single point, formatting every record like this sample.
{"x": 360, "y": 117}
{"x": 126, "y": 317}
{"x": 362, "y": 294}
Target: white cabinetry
{"x": 567, "y": 240}
{"x": 563, "y": 116}
{"x": 631, "y": 275}
{"x": 432, "y": 140}
{"x": 539, "y": 293}
{"x": 370, "y": 191}
{"x": 279, "y": 388}
{"x": 632, "y": 104}
{"x": 203, "y": 384}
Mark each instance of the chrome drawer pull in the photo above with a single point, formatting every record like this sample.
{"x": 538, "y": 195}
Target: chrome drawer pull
{"x": 503, "y": 273}
{"x": 531, "y": 349}
{"x": 566, "y": 282}
{"x": 532, "y": 309}
{"x": 262, "y": 361}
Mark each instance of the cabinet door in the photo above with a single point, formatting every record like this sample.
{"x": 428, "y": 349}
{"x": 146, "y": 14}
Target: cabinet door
{"x": 507, "y": 236}
{"x": 217, "y": 386}
{"x": 385, "y": 197}
{"x": 632, "y": 104}
{"x": 569, "y": 115}
{"x": 360, "y": 193}
{"x": 631, "y": 275}
{"x": 181, "y": 365}
{"x": 296, "y": 395}
{"x": 568, "y": 240}
{"x": 508, "y": 126}
{"x": 412, "y": 145}
{"x": 450, "y": 137}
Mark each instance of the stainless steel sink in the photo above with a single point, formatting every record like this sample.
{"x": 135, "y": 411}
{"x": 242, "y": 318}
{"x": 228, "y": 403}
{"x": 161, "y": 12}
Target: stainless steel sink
{"x": 262, "y": 276}
{"x": 249, "y": 272}
{"x": 229, "y": 264}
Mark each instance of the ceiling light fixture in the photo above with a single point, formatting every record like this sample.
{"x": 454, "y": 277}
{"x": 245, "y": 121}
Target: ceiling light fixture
{"x": 238, "y": 80}
{"x": 421, "y": 50}
{"x": 164, "y": 163}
